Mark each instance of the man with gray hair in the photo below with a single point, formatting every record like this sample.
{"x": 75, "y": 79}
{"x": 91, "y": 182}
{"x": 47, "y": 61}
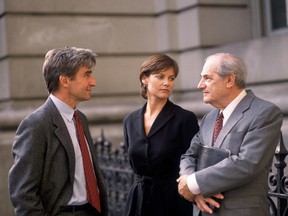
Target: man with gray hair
{"x": 248, "y": 127}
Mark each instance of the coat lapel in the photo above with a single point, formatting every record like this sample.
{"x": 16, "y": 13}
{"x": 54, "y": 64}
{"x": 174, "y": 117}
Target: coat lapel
{"x": 63, "y": 135}
{"x": 138, "y": 122}
{"x": 164, "y": 116}
{"x": 208, "y": 129}
{"x": 236, "y": 115}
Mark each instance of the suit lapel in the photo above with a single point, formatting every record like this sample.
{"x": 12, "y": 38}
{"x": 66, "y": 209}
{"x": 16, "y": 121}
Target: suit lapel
{"x": 164, "y": 116}
{"x": 138, "y": 122}
{"x": 208, "y": 129}
{"x": 63, "y": 135}
{"x": 236, "y": 115}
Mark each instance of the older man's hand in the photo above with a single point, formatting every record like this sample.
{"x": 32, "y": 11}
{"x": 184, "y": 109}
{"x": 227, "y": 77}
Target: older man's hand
{"x": 183, "y": 189}
{"x": 208, "y": 204}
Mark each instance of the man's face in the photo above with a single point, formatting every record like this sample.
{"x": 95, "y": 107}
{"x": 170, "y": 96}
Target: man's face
{"x": 213, "y": 86}
{"x": 80, "y": 87}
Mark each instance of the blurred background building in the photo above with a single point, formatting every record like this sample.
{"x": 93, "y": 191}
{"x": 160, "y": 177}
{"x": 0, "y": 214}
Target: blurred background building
{"x": 123, "y": 33}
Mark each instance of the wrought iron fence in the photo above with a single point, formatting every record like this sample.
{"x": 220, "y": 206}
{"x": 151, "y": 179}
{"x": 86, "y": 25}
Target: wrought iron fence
{"x": 278, "y": 183}
{"x": 119, "y": 177}
{"x": 117, "y": 171}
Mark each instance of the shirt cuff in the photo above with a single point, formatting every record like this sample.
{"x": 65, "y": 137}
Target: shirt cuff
{"x": 192, "y": 184}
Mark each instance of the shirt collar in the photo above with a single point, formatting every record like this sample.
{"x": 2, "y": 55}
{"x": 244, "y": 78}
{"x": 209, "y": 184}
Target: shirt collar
{"x": 63, "y": 108}
{"x": 230, "y": 108}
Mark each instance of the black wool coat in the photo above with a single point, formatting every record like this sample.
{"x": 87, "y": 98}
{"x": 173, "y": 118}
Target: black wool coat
{"x": 155, "y": 160}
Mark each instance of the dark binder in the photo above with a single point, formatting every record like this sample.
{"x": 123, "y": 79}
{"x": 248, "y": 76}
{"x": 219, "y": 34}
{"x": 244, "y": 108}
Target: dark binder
{"x": 208, "y": 156}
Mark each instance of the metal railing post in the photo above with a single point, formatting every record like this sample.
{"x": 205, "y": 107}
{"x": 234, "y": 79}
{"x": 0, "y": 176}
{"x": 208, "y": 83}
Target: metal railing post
{"x": 279, "y": 181}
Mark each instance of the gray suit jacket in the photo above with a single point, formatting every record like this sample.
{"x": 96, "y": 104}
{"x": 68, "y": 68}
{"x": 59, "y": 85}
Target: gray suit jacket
{"x": 251, "y": 134}
{"x": 41, "y": 178}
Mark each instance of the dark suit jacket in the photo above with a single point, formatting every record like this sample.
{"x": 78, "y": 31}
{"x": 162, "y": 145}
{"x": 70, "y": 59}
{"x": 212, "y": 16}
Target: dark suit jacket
{"x": 251, "y": 134}
{"x": 41, "y": 178}
{"x": 155, "y": 160}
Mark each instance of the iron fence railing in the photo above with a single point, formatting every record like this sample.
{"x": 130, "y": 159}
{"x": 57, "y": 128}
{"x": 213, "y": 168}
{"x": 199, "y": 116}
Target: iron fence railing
{"x": 117, "y": 171}
{"x": 278, "y": 183}
{"x": 119, "y": 177}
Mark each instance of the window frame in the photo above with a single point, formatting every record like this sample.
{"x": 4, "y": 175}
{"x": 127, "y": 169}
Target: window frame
{"x": 268, "y": 20}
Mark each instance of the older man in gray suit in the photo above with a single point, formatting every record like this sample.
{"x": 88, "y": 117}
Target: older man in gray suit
{"x": 237, "y": 185}
{"x": 52, "y": 157}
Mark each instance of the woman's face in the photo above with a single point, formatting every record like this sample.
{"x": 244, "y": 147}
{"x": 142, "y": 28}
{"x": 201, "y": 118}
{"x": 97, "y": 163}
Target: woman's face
{"x": 160, "y": 85}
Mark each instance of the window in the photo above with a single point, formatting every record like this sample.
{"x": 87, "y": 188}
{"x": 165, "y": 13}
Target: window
{"x": 275, "y": 16}
{"x": 278, "y": 10}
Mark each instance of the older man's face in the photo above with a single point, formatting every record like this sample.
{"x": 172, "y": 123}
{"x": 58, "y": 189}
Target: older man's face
{"x": 213, "y": 86}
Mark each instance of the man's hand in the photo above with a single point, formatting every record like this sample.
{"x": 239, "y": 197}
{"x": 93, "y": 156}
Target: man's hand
{"x": 183, "y": 189}
{"x": 203, "y": 203}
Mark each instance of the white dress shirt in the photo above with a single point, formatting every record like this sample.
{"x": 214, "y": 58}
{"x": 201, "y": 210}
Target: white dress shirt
{"x": 79, "y": 195}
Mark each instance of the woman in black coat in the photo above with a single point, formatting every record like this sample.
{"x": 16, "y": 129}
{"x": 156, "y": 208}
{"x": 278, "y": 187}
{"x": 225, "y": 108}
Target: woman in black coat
{"x": 155, "y": 137}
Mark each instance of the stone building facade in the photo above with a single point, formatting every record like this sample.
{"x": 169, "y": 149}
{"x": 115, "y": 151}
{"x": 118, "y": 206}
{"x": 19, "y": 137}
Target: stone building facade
{"x": 123, "y": 33}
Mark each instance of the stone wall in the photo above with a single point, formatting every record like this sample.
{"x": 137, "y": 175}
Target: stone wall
{"x": 123, "y": 33}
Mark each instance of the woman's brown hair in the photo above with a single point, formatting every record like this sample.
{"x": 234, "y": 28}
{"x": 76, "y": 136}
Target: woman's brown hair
{"x": 153, "y": 65}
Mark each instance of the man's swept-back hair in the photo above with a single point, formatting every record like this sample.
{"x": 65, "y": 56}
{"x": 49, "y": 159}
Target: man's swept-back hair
{"x": 229, "y": 63}
{"x": 65, "y": 62}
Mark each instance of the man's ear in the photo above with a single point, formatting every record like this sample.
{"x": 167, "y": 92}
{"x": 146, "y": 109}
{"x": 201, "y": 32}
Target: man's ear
{"x": 230, "y": 80}
{"x": 64, "y": 80}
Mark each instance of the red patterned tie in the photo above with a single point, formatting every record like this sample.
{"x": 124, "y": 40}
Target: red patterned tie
{"x": 218, "y": 126}
{"x": 91, "y": 182}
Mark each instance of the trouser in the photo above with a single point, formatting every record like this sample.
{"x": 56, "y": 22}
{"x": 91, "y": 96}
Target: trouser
{"x": 83, "y": 210}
